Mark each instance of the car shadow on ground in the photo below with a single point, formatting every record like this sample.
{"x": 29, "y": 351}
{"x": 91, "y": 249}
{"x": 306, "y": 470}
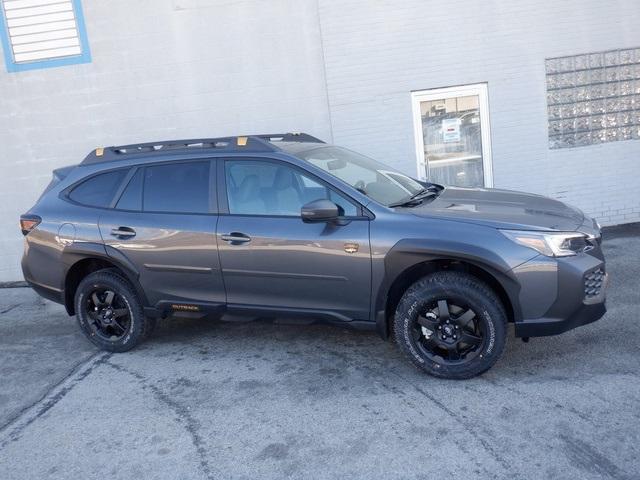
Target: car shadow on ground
{"x": 250, "y": 336}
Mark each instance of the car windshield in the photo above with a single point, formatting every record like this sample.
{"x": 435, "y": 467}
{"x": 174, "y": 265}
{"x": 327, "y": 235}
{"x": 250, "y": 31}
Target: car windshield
{"x": 372, "y": 178}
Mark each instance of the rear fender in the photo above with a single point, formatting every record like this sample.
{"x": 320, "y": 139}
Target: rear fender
{"x": 78, "y": 251}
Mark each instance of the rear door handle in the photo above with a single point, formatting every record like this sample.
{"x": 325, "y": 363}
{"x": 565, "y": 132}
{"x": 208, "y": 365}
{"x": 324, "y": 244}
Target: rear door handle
{"x": 236, "y": 238}
{"x": 124, "y": 232}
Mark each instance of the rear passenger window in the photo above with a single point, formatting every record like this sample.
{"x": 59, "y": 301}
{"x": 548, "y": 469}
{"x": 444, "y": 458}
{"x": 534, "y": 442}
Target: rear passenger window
{"x": 131, "y": 198}
{"x": 177, "y": 188}
{"x": 98, "y": 191}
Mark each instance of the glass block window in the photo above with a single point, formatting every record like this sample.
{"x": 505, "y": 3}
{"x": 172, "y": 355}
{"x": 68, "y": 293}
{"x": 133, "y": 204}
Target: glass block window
{"x": 593, "y": 98}
{"x": 42, "y": 33}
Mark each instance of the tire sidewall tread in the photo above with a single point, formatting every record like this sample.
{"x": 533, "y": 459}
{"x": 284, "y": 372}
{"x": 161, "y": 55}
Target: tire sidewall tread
{"x": 140, "y": 326}
{"x": 484, "y": 301}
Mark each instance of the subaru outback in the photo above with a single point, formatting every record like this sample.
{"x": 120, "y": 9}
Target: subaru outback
{"x": 276, "y": 225}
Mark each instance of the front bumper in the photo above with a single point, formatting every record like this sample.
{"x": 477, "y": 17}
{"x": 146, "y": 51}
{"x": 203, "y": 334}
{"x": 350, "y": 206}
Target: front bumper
{"x": 592, "y": 309}
{"x": 561, "y": 294}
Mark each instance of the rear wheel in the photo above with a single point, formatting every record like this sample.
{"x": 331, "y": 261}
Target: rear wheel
{"x": 451, "y": 325}
{"x": 109, "y": 312}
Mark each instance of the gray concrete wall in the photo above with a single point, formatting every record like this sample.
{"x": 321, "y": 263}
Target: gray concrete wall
{"x": 189, "y": 68}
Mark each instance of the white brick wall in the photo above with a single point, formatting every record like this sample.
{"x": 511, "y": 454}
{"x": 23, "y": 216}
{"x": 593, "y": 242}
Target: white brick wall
{"x": 378, "y": 52}
{"x": 189, "y": 68}
{"x": 161, "y": 69}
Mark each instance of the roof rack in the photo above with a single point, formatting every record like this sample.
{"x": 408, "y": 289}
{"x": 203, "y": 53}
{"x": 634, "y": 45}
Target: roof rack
{"x": 248, "y": 143}
{"x": 289, "y": 137}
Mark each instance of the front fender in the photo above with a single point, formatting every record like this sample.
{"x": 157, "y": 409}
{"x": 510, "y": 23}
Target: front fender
{"x": 408, "y": 253}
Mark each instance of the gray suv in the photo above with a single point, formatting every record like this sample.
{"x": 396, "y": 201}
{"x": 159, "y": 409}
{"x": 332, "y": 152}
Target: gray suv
{"x": 285, "y": 224}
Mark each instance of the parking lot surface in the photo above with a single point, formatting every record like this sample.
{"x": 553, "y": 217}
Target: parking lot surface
{"x": 205, "y": 399}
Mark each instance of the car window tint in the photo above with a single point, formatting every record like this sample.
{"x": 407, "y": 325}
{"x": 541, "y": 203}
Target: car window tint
{"x": 131, "y": 198}
{"x": 266, "y": 188}
{"x": 98, "y": 191}
{"x": 177, "y": 188}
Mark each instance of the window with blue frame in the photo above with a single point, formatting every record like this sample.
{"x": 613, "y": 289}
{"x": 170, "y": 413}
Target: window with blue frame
{"x": 42, "y": 33}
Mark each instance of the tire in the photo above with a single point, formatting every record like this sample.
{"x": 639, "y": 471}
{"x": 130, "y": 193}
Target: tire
{"x": 151, "y": 323}
{"x": 110, "y": 313}
{"x": 451, "y": 325}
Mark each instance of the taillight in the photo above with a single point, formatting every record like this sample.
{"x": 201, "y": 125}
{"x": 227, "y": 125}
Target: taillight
{"x": 29, "y": 222}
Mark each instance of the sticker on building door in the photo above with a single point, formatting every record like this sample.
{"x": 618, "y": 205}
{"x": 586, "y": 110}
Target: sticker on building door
{"x": 451, "y": 130}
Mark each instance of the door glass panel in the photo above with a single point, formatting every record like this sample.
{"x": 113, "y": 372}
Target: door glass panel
{"x": 266, "y": 188}
{"x": 452, "y": 140}
{"x": 131, "y": 198}
{"x": 177, "y": 188}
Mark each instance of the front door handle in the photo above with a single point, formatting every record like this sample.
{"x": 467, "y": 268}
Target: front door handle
{"x": 123, "y": 232}
{"x": 236, "y": 238}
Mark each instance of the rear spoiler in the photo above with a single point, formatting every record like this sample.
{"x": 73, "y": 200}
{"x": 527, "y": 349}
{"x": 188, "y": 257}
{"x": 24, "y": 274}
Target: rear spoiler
{"x": 59, "y": 174}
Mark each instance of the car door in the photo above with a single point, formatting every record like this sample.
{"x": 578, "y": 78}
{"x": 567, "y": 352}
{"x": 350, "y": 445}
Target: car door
{"x": 164, "y": 223}
{"x": 272, "y": 260}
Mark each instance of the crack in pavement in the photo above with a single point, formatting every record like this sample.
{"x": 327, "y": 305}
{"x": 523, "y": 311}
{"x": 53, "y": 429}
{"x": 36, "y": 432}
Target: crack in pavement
{"x": 586, "y": 457}
{"x": 7, "y": 310}
{"x": 467, "y": 425}
{"x": 31, "y": 413}
{"x": 548, "y": 400}
{"x": 190, "y": 423}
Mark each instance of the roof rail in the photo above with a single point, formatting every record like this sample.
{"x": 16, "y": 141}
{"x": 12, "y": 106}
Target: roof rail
{"x": 253, "y": 143}
{"x": 289, "y": 137}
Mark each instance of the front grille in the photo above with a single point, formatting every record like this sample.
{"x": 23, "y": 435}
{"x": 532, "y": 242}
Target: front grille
{"x": 593, "y": 282}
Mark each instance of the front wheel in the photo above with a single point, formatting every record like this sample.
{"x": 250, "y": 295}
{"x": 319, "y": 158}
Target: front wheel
{"x": 109, "y": 312}
{"x": 451, "y": 325}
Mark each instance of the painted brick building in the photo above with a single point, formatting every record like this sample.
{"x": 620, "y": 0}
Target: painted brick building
{"x": 539, "y": 96}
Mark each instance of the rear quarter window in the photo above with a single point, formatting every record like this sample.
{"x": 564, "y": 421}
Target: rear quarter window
{"x": 99, "y": 190}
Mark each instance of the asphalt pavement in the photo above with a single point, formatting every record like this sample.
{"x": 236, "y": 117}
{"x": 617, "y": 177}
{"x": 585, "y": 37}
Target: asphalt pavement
{"x": 206, "y": 399}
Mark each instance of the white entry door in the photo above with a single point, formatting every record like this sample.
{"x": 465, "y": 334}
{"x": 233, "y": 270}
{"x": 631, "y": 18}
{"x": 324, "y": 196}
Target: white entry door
{"x": 453, "y": 141}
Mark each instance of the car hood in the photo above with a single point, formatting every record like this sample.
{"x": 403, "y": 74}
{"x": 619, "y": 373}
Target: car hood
{"x": 501, "y": 209}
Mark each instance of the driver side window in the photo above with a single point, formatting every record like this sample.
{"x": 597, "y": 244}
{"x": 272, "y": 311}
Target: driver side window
{"x": 267, "y": 188}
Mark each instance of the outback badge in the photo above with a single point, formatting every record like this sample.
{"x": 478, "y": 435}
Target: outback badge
{"x": 185, "y": 308}
{"x": 351, "y": 247}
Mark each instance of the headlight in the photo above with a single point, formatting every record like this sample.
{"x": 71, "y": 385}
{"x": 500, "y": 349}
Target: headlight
{"x": 550, "y": 244}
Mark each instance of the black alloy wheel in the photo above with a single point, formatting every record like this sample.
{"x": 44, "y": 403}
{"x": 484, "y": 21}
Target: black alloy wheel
{"x": 109, "y": 314}
{"x": 449, "y": 333}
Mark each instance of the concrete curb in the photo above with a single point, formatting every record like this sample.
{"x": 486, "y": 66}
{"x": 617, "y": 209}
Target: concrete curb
{"x": 624, "y": 230}
{"x": 17, "y": 284}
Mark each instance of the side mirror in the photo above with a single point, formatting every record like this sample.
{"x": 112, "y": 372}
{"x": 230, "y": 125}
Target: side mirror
{"x": 320, "y": 211}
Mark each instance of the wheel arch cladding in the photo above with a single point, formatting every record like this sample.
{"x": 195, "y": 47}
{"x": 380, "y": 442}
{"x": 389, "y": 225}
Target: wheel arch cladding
{"x": 90, "y": 258}
{"x": 410, "y": 260}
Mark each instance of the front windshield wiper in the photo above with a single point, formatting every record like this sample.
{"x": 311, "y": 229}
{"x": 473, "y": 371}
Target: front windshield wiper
{"x": 419, "y": 193}
{"x": 415, "y": 199}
